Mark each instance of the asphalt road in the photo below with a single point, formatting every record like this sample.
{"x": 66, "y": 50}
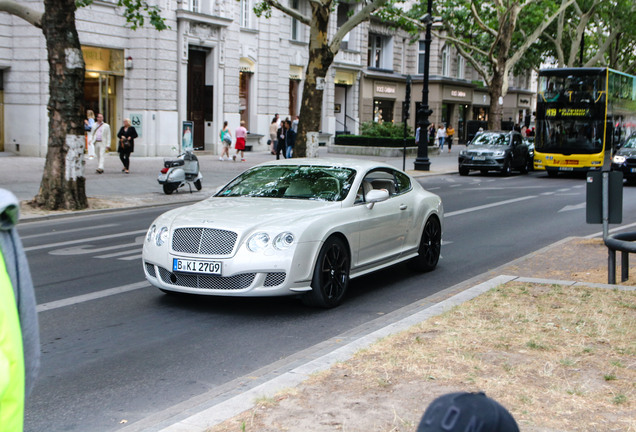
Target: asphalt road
{"x": 117, "y": 352}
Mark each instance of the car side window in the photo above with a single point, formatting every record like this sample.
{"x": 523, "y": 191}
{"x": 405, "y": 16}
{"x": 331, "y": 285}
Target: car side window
{"x": 403, "y": 182}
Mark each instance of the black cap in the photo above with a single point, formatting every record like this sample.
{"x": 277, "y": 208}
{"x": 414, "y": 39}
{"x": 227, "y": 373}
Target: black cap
{"x": 464, "y": 412}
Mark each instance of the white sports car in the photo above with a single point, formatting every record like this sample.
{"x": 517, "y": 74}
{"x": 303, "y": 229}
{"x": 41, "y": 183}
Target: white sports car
{"x": 296, "y": 227}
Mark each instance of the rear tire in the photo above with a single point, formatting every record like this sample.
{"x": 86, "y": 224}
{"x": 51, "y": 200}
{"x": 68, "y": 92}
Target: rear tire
{"x": 430, "y": 247}
{"x": 524, "y": 167}
{"x": 169, "y": 188}
{"x": 197, "y": 184}
{"x": 506, "y": 170}
{"x": 331, "y": 275}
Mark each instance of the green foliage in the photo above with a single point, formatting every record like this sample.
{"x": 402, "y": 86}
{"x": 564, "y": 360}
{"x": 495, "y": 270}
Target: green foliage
{"x": 385, "y": 130}
{"x": 136, "y": 12}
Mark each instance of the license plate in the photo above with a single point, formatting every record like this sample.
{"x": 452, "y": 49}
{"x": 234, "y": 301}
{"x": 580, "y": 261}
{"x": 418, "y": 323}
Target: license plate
{"x": 632, "y": 170}
{"x": 195, "y": 266}
{"x": 566, "y": 169}
{"x": 480, "y": 158}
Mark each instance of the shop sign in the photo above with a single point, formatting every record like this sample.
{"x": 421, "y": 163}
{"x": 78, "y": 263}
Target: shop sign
{"x": 246, "y": 65}
{"x": 385, "y": 89}
{"x": 344, "y": 78}
{"x": 106, "y": 60}
{"x": 457, "y": 93}
{"x": 295, "y": 72}
{"x": 524, "y": 101}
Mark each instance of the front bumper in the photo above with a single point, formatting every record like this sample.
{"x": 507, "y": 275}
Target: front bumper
{"x": 488, "y": 163}
{"x": 629, "y": 171}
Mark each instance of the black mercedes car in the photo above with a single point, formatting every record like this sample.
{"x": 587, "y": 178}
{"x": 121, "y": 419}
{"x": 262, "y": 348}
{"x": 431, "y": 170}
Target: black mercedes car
{"x": 500, "y": 151}
{"x": 625, "y": 159}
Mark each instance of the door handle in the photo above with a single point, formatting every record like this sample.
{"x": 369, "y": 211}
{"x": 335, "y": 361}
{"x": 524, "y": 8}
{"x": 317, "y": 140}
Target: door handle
{"x": 403, "y": 206}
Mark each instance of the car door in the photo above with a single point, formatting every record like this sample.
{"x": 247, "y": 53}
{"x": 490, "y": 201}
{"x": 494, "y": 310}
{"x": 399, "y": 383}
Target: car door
{"x": 383, "y": 226}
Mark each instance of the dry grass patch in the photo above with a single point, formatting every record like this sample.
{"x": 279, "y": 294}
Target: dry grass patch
{"x": 559, "y": 358}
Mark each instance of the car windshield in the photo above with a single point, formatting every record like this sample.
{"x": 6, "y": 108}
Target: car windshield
{"x": 325, "y": 183}
{"x": 490, "y": 139}
{"x": 631, "y": 142}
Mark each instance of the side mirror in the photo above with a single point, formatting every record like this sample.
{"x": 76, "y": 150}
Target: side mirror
{"x": 376, "y": 195}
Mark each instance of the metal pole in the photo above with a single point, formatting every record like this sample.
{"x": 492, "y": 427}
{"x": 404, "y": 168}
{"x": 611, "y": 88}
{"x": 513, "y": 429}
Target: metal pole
{"x": 422, "y": 162}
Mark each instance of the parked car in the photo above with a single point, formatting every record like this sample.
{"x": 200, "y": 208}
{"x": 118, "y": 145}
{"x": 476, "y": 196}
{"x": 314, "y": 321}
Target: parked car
{"x": 625, "y": 159}
{"x": 500, "y": 151}
{"x": 300, "y": 227}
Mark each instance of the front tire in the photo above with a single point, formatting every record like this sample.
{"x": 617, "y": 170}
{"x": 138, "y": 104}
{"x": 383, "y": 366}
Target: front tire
{"x": 169, "y": 188}
{"x": 331, "y": 275}
{"x": 507, "y": 169}
{"x": 463, "y": 171}
{"x": 430, "y": 247}
{"x": 197, "y": 184}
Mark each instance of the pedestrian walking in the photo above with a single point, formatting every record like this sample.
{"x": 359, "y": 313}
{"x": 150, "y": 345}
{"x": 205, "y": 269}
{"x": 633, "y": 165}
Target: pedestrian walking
{"x": 281, "y": 136}
{"x": 290, "y": 139}
{"x": 126, "y": 135}
{"x": 273, "y": 127}
{"x": 295, "y": 124}
{"x": 100, "y": 138}
{"x": 226, "y": 141}
{"x": 19, "y": 333}
{"x": 241, "y": 135}
{"x": 431, "y": 134}
{"x": 449, "y": 135}
{"x": 441, "y": 135}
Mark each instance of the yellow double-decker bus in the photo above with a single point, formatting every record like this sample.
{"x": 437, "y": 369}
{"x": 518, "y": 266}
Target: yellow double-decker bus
{"x": 582, "y": 114}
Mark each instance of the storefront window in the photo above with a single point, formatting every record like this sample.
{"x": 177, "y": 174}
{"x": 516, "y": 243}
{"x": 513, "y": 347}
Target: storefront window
{"x": 480, "y": 113}
{"x": 244, "y": 95}
{"x": 383, "y": 110}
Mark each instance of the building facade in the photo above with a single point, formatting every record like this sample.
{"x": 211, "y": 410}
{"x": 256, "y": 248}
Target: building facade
{"x": 219, "y": 62}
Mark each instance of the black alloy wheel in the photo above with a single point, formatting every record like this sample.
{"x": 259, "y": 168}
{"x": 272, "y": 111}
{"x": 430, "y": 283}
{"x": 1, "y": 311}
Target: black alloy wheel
{"x": 430, "y": 246}
{"x": 331, "y": 275}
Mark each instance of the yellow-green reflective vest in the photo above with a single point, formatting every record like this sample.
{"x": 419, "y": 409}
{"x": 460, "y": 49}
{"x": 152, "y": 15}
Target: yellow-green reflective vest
{"x": 11, "y": 358}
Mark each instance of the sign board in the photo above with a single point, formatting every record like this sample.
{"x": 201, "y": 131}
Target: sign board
{"x": 137, "y": 121}
{"x": 594, "y": 197}
{"x": 187, "y": 135}
{"x": 320, "y": 83}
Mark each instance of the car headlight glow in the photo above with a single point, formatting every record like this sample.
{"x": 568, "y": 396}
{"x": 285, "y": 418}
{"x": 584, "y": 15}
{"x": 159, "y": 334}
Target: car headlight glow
{"x": 162, "y": 236}
{"x": 258, "y": 241}
{"x": 618, "y": 159}
{"x": 499, "y": 153}
{"x": 283, "y": 241}
{"x": 151, "y": 233}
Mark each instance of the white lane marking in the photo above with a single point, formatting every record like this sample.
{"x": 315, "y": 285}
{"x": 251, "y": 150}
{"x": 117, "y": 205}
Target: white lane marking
{"x": 573, "y": 207}
{"x": 495, "y": 204}
{"x": 68, "y": 231}
{"x": 88, "y": 249}
{"x": 85, "y": 240}
{"x": 91, "y": 296}
{"x": 612, "y": 230}
{"x": 118, "y": 254}
{"x": 130, "y": 258}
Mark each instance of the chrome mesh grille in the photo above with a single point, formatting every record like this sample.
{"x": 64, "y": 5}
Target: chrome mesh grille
{"x": 151, "y": 270}
{"x": 274, "y": 279}
{"x": 211, "y": 282}
{"x": 205, "y": 241}
{"x": 476, "y": 153}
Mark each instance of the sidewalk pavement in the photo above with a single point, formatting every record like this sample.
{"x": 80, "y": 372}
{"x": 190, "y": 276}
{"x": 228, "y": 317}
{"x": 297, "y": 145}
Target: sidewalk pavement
{"x": 22, "y": 175}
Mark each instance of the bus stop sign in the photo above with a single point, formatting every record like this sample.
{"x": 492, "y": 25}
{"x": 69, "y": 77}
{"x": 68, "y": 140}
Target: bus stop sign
{"x": 594, "y": 197}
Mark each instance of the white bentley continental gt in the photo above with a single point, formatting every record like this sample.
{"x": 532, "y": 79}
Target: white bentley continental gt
{"x": 300, "y": 227}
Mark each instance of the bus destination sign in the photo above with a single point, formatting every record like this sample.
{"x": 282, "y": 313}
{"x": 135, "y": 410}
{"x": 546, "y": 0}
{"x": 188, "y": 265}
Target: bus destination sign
{"x": 567, "y": 112}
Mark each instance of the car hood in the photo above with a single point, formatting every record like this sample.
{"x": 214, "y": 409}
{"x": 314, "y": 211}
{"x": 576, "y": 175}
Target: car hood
{"x": 627, "y": 152}
{"x": 242, "y": 213}
{"x": 486, "y": 149}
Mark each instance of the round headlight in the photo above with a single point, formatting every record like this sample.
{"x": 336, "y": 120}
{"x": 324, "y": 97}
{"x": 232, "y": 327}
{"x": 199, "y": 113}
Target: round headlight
{"x": 257, "y": 242}
{"x": 162, "y": 236}
{"x": 618, "y": 159}
{"x": 283, "y": 240}
{"x": 151, "y": 233}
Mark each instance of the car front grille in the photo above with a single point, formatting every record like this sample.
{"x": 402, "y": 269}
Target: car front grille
{"x": 476, "y": 153}
{"x": 203, "y": 241}
{"x": 274, "y": 279}
{"x": 151, "y": 270}
{"x": 209, "y": 282}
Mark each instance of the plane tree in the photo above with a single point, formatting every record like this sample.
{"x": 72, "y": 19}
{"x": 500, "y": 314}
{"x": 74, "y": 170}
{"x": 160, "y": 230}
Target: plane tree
{"x": 63, "y": 185}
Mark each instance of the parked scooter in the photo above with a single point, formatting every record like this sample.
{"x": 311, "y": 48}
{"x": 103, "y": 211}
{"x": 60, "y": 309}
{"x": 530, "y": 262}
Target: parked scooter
{"x": 179, "y": 172}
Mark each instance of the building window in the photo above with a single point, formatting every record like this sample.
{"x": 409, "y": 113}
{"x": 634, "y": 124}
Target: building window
{"x": 244, "y": 96}
{"x": 196, "y": 5}
{"x": 379, "y": 52}
{"x": 445, "y": 62}
{"x": 383, "y": 110}
{"x": 246, "y": 10}
{"x": 343, "y": 16}
{"x": 421, "y": 53}
{"x": 295, "y": 28}
{"x": 461, "y": 67}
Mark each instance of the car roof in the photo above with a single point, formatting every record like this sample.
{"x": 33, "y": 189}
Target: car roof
{"x": 360, "y": 165}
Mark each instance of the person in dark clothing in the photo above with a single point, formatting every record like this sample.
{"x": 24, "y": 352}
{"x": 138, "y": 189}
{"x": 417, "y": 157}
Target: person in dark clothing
{"x": 281, "y": 136}
{"x": 126, "y": 135}
{"x": 290, "y": 139}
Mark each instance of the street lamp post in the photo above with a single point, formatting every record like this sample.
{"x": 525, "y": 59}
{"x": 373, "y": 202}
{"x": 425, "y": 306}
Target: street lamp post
{"x": 422, "y": 162}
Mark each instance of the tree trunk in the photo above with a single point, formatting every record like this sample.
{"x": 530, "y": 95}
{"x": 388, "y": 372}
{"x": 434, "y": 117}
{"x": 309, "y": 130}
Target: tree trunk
{"x": 63, "y": 182}
{"x": 320, "y": 59}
